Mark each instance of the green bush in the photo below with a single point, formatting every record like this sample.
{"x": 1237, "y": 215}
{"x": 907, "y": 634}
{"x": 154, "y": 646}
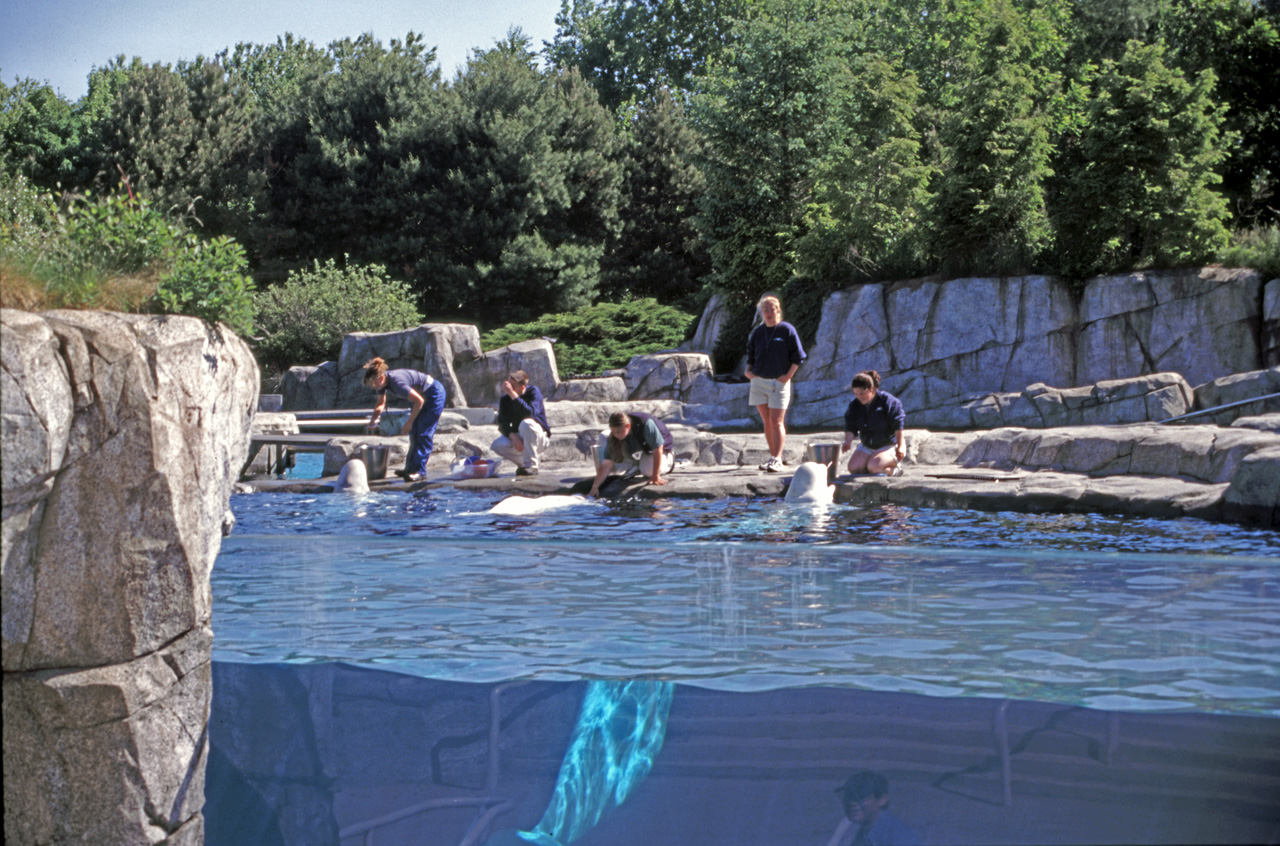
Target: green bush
{"x": 304, "y": 318}
{"x": 118, "y": 253}
{"x": 600, "y": 337}
{"x": 1258, "y": 248}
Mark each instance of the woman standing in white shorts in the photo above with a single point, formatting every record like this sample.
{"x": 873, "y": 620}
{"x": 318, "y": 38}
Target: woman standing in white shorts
{"x": 774, "y": 353}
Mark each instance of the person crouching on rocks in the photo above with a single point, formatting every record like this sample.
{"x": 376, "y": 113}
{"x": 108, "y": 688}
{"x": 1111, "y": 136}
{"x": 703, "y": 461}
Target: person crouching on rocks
{"x": 635, "y": 439}
{"x": 877, "y": 418}
{"x": 426, "y": 396}
{"x": 522, "y": 424}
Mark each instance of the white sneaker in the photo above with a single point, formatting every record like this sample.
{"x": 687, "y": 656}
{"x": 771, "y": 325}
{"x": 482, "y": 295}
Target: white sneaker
{"x": 775, "y": 465}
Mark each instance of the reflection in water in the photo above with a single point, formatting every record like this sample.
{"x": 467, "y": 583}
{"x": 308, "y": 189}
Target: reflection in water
{"x": 619, "y": 733}
{"x": 309, "y": 755}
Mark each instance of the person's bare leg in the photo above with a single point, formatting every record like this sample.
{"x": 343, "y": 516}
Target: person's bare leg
{"x": 882, "y": 462}
{"x": 777, "y": 422}
{"x": 769, "y": 433}
{"x": 858, "y": 462}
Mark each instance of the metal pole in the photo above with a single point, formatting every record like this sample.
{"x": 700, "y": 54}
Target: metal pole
{"x": 1219, "y": 408}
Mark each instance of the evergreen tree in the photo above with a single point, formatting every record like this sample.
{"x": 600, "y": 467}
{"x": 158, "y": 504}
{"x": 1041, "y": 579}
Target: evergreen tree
{"x": 1139, "y": 192}
{"x": 989, "y": 212}
{"x": 658, "y": 252}
{"x": 870, "y": 180}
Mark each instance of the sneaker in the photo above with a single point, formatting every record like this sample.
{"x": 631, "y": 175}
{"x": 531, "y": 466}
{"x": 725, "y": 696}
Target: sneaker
{"x": 525, "y": 471}
{"x": 775, "y": 465}
{"x": 766, "y": 465}
{"x": 410, "y": 477}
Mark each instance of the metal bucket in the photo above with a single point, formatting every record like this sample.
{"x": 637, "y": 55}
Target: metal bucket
{"x": 599, "y": 452}
{"x": 375, "y": 460}
{"x": 270, "y": 402}
{"x": 828, "y": 454}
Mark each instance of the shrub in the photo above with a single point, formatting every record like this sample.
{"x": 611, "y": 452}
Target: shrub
{"x": 305, "y": 318}
{"x": 118, "y": 253}
{"x": 1258, "y": 248}
{"x": 600, "y": 337}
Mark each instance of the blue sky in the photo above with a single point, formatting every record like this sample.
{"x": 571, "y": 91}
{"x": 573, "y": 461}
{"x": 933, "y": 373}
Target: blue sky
{"x": 60, "y": 41}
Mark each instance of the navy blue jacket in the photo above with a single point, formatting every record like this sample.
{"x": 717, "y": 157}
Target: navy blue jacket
{"x": 400, "y": 381}
{"x": 772, "y": 350}
{"x": 876, "y": 422}
{"x": 512, "y": 411}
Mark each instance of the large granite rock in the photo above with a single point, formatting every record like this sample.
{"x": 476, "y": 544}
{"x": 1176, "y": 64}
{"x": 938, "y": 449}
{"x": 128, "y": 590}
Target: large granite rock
{"x": 122, "y": 437}
{"x": 601, "y": 389}
{"x": 1202, "y": 323}
{"x": 306, "y": 388}
{"x": 482, "y": 376}
{"x": 666, "y": 375}
{"x": 714, "y": 315}
{"x": 1271, "y": 324}
{"x": 1239, "y": 388}
{"x": 435, "y": 348}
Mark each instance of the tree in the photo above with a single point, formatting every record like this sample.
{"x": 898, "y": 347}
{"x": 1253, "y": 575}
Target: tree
{"x": 989, "y": 211}
{"x": 1139, "y": 191}
{"x": 759, "y": 115}
{"x": 629, "y": 49}
{"x": 658, "y": 252}
{"x": 871, "y": 183}
{"x": 529, "y": 196}
{"x": 39, "y": 133}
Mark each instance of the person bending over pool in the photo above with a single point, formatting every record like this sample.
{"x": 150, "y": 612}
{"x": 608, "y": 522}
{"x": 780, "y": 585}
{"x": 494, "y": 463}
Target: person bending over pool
{"x": 774, "y": 353}
{"x": 877, "y": 418}
{"x": 865, "y": 797}
{"x": 522, "y": 424}
{"x": 635, "y": 439}
{"x": 426, "y": 396}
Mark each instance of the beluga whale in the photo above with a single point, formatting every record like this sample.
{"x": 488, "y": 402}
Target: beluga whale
{"x": 353, "y": 478}
{"x": 809, "y": 485}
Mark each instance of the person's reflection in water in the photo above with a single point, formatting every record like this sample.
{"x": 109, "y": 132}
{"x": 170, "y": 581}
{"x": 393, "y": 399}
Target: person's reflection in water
{"x": 865, "y": 797}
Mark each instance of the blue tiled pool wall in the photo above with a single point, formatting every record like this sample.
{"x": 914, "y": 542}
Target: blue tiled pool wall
{"x": 301, "y": 753}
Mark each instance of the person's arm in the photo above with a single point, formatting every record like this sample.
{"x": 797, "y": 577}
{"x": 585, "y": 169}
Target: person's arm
{"x": 900, "y": 437}
{"x": 605, "y": 466}
{"x": 850, "y": 428}
{"x": 377, "y": 411}
{"x": 786, "y": 377}
{"x": 418, "y": 403}
{"x": 656, "y": 478}
{"x": 751, "y": 356}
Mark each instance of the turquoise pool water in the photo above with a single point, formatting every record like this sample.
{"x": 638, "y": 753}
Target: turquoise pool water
{"x": 1081, "y": 610}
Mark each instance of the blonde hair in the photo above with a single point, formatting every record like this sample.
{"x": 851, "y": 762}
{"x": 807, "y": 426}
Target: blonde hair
{"x": 373, "y": 368}
{"x": 770, "y": 298}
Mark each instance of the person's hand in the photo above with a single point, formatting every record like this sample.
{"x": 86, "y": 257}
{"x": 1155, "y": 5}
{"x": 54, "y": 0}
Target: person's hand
{"x": 784, "y": 379}
{"x": 844, "y": 447}
{"x": 749, "y": 374}
{"x": 595, "y": 491}
{"x": 408, "y": 427}
{"x": 517, "y": 442}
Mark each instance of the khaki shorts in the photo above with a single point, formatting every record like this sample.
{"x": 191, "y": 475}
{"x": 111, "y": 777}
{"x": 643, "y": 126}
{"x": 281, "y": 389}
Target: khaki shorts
{"x": 770, "y": 392}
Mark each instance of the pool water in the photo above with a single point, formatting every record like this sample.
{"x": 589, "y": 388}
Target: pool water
{"x": 363, "y": 643}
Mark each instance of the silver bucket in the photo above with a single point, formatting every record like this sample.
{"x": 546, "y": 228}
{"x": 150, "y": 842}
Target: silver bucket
{"x": 599, "y": 452}
{"x": 375, "y": 460}
{"x": 828, "y": 454}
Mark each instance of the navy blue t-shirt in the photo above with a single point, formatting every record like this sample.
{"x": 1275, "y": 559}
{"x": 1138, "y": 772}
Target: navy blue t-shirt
{"x": 400, "y": 381}
{"x": 771, "y": 350}
{"x": 512, "y": 411}
{"x": 877, "y": 421}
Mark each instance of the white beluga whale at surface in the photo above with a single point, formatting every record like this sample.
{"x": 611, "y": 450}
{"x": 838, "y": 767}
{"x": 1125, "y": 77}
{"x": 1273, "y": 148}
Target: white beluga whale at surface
{"x": 353, "y": 478}
{"x": 809, "y": 484}
{"x": 529, "y": 506}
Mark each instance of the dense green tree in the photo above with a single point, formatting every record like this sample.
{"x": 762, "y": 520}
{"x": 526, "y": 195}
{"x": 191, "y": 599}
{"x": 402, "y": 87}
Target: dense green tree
{"x": 871, "y": 182}
{"x": 759, "y": 115}
{"x": 629, "y": 49}
{"x": 530, "y": 195}
{"x": 1139, "y": 188}
{"x": 39, "y": 133}
{"x": 180, "y": 137}
{"x": 658, "y": 252}
{"x": 989, "y": 211}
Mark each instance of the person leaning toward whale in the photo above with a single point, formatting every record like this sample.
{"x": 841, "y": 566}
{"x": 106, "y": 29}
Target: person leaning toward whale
{"x": 877, "y": 418}
{"x": 635, "y": 439}
{"x": 426, "y": 396}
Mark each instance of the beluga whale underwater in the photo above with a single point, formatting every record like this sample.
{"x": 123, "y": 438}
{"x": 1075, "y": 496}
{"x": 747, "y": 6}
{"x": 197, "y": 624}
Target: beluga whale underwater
{"x": 532, "y": 506}
{"x": 809, "y": 485}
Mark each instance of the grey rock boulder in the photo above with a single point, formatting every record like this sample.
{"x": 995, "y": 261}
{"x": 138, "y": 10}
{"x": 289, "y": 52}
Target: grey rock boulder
{"x": 481, "y": 377}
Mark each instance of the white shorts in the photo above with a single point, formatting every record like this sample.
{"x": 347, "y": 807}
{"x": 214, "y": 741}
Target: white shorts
{"x": 770, "y": 392}
{"x": 861, "y": 447}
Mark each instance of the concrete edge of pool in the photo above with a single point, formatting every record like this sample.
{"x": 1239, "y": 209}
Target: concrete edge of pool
{"x": 923, "y": 486}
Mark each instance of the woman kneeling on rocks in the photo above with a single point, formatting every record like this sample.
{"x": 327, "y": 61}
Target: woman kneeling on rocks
{"x": 877, "y": 418}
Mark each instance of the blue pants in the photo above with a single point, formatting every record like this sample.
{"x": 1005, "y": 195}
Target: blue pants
{"x": 422, "y": 436}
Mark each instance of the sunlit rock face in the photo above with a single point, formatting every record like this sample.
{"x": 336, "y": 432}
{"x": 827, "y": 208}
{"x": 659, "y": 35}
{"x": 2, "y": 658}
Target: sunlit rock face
{"x": 122, "y": 437}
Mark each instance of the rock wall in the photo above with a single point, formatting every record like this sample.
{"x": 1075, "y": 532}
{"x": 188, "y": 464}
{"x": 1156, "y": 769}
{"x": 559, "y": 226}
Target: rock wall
{"x": 122, "y": 437}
